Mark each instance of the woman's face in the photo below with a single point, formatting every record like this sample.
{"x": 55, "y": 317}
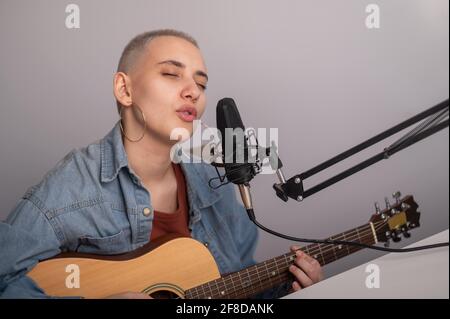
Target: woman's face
{"x": 168, "y": 84}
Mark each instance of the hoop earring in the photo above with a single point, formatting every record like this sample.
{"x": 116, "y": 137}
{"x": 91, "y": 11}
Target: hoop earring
{"x": 123, "y": 131}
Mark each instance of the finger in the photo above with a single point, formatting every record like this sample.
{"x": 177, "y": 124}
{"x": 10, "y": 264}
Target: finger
{"x": 296, "y": 286}
{"x": 304, "y": 263}
{"x": 305, "y": 256}
{"x": 309, "y": 265}
{"x": 301, "y": 277}
{"x": 294, "y": 248}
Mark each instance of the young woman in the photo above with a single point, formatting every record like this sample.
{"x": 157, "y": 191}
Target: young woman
{"x": 118, "y": 194}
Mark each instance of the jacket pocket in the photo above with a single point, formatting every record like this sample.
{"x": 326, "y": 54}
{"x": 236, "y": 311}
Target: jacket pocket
{"x": 109, "y": 245}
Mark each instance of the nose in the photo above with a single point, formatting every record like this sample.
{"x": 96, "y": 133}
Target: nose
{"x": 191, "y": 91}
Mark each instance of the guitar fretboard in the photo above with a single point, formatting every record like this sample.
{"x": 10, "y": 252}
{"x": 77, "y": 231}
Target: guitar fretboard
{"x": 273, "y": 272}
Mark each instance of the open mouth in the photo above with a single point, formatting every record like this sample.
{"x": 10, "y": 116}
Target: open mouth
{"x": 187, "y": 113}
{"x": 187, "y": 116}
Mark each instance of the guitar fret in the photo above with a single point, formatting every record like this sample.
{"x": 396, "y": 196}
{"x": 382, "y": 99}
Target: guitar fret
{"x": 287, "y": 259}
{"x": 345, "y": 239}
{"x": 257, "y": 274}
{"x": 215, "y": 289}
{"x": 288, "y": 262}
{"x": 242, "y": 283}
{"x": 321, "y": 254}
{"x": 282, "y": 265}
{"x": 204, "y": 290}
{"x": 250, "y": 278}
{"x": 310, "y": 250}
{"x": 227, "y": 284}
{"x": 269, "y": 273}
{"x": 276, "y": 265}
{"x": 197, "y": 292}
{"x": 232, "y": 283}
{"x": 306, "y": 250}
{"x": 333, "y": 247}
{"x": 188, "y": 294}
{"x": 273, "y": 274}
{"x": 338, "y": 252}
{"x": 372, "y": 238}
{"x": 357, "y": 233}
{"x": 248, "y": 281}
{"x": 220, "y": 284}
{"x": 262, "y": 276}
{"x": 341, "y": 252}
{"x": 219, "y": 291}
{"x": 272, "y": 270}
{"x": 210, "y": 289}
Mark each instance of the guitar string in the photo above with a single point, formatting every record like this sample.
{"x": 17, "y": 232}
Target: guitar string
{"x": 242, "y": 289}
{"x": 325, "y": 253}
{"x": 317, "y": 249}
{"x": 268, "y": 282}
{"x": 286, "y": 275}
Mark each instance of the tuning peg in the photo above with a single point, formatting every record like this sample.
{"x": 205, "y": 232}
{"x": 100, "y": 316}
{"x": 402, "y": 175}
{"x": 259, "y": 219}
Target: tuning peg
{"x": 377, "y": 208}
{"x": 405, "y": 206}
{"x": 405, "y": 233}
{"x": 396, "y": 195}
{"x": 388, "y": 205}
{"x": 395, "y": 237}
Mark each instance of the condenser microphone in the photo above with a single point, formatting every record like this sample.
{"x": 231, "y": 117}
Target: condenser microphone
{"x": 237, "y": 160}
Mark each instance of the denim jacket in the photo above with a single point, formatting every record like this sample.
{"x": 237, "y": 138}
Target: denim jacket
{"x": 93, "y": 202}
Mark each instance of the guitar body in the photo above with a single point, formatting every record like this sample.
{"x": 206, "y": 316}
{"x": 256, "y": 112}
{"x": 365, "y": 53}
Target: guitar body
{"x": 162, "y": 270}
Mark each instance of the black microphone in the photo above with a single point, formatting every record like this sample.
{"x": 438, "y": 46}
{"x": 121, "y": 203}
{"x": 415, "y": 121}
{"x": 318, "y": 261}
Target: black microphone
{"x": 238, "y": 163}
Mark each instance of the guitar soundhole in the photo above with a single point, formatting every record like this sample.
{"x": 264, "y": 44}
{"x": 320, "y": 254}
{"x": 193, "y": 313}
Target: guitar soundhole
{"x": 164, "y": 294}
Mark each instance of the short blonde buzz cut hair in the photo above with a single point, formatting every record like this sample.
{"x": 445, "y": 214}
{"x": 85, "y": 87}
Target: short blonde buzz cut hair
{"x": 134, "y": 49}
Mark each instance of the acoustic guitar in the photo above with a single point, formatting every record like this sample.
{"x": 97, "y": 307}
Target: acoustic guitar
{"x": 177, "y": 267}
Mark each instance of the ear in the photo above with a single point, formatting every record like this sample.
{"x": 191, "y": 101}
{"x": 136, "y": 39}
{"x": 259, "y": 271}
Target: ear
{"x": 122, "y": 88}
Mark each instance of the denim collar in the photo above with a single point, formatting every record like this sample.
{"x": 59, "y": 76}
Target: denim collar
{"x": 114, "y": 158}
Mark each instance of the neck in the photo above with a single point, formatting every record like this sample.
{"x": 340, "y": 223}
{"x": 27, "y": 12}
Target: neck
{"x": 149, "y": 158}
{"x": 258, "y": 278}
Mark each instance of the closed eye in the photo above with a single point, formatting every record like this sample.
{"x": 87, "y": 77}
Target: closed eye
{"x": 202, "y": 86}
{"x": 170, "y": 74}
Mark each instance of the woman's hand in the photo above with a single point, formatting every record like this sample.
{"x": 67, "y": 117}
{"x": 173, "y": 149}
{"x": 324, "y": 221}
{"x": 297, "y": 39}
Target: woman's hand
{"x": 307, "y": 270}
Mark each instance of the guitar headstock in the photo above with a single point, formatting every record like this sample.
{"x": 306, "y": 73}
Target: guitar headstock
{"x": 396, "y": 219}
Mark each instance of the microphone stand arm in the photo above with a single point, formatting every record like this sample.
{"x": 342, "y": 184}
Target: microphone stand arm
{"x": 437, "y": 120}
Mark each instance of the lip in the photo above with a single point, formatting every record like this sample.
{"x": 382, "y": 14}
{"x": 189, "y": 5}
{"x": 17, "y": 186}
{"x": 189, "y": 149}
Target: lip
{"x": 187, "y": 113}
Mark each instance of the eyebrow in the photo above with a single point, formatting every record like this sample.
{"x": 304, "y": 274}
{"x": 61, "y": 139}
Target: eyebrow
{"x": 181, "y": 65}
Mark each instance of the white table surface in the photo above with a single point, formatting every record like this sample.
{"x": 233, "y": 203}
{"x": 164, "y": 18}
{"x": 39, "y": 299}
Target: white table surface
{"x": 419, "y": 274}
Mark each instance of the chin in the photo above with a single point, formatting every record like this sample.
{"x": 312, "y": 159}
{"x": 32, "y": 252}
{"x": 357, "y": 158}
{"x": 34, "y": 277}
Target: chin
{"x": 180, "y": 132}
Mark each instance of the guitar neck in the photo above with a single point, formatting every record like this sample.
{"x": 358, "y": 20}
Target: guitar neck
{"x": 273, "y": 272}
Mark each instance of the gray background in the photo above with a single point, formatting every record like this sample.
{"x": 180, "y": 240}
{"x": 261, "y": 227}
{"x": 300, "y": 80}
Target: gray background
{"x": 310, "y": 68}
